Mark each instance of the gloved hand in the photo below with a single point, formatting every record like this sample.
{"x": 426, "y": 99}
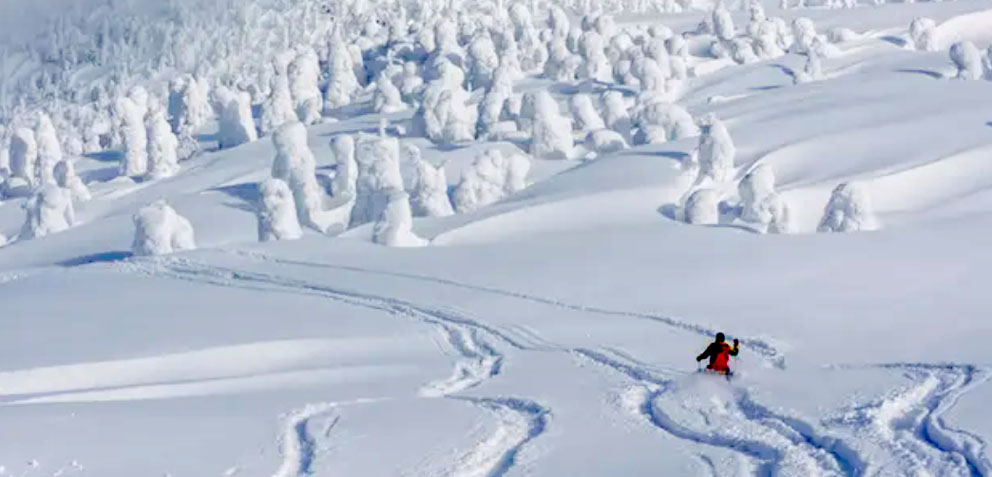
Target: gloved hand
{"x": 736, "y": 342}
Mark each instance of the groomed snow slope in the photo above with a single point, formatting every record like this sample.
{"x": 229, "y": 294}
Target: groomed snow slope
{"x": 552, "y": 333}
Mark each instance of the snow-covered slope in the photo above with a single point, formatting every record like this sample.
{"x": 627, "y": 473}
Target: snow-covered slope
{"x": 554, "y": 331}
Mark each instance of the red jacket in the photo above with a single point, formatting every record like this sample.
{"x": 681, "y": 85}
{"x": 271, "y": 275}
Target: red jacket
{"x": 719, "y": 355}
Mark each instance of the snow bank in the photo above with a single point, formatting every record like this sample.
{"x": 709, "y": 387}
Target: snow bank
{"x": 849, "y": 210}
{"x": 277, "y": 218}
{"x": 49, "y": 211}
{"x": 160, "y": 230}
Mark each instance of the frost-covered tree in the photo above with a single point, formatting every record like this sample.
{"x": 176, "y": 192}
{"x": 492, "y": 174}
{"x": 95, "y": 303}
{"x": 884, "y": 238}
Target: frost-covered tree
{"x": 615, "y": 112}
{"x": 160, "y": 230}
{"x": 804, "y": 34}
{"x": 659, "y": 122}
{"x": 604, "y": 141}
{"x": 234, "y": 117}
{"x": 813, "y": 71}
{"x": 766, "y": 40}
{"x": 394, "y": 227}
{"x": 49, "y": 211}
{"x": 923, "y": 34}
{"x": 163, "y": 146}
{"x": 387, "y": 98}
{"x": 849, "y": 210}
{"x": 410, "y": 83}
{"x": 702, "y": 207}
{"x": 277, "y": 218}
{"x": 483, "y": 62}
{"x": 188, "y": 105}
{"x": 277, "y": 109}
{"x": 342, "y": 83}
{"x": 427, "y": 185}
{"x": 446, "y": 115}
{"x": 584, "y": 114}
{"x": 715, "y": 153}
{"x": 551, "y": 133}
{"x": 295, "y": 164}
{"x": 304, "y": 77}
{"x": 66, "y": 178}
{"x": 492, "y": 177}
{"x": 596, "y": 65}
{"x": 723, "y": 23}
{"x": 23, "y": 156}
{"x": 761, "y": 205}
{"x": 494, "y": 103}
{"x": 346, "y": 171}
{"x": 49, "y": 149}
{"x": 135, "y": 160}
{"x": 968, "y": 60}
{"x": 379, "y": 176}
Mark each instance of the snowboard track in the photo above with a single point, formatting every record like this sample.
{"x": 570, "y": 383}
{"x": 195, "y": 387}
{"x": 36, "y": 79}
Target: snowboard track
{"x": 479, "y": 361}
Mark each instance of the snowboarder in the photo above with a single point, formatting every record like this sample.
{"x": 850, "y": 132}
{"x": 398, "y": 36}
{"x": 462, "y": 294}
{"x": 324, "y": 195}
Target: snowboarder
{"x": 719, "y": 353}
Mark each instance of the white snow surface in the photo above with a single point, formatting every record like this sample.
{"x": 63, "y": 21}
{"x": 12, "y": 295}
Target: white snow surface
{"x": 551, "y": 330}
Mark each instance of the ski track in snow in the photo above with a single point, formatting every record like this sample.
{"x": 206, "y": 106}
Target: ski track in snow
{"x": 520, "y": 420}
{"x": 760, "y": 346}
{"x": 908, "y": 426}
{"x": 904, "y": 431}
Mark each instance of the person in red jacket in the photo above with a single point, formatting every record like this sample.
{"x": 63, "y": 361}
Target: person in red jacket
{"x": 719, "y": 353}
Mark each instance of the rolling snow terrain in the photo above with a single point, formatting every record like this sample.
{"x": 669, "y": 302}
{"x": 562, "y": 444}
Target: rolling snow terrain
{"x": 289, "y": 238}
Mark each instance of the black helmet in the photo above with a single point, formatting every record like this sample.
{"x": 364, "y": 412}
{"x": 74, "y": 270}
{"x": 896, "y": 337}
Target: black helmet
{"x": 720, "y": 338}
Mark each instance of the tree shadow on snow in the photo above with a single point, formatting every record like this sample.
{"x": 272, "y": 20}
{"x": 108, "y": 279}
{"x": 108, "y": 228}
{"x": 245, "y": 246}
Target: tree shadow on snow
{"x": 100, "y": 175}
{"x": 932, "y": 74}
{"x": 247, "y": 193}
{"x": 106, "y": 156}
{"x": 895, "y": 40}
{"x": 104, "y": 257}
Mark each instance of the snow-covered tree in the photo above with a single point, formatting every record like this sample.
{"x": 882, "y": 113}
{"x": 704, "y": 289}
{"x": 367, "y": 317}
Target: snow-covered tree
{"x": 968, "y": 60}
{"x": 394, "y": 227}
{"x": 660, "y": 121}
{"x": 715, "y": 154}
{"x": 551, "y": 133}
{"x": 813, "y": 71}
{"x": 849, "y": 210}
{"x": 584, "y": 114}
{"x": 446, "y": 115}
{"x": 804, "y": 34}
{"x": 492, "y": 177}
{"x": 346, "y": 172}
{"x": 427, "y": 185}
{"x": 277, "y": 218}
{"x": 410, "y": 83}
{"x": 596, "y": 65}
{"x": 923, "y": 34}
{"x": 615, "y": 112}
{"x": 23, "y": 156}
{"x": 66, "y": 178}
{"x": 723, "y": 23}
{"x": 379, "y": 176}
{"x": 49, "y": 149}
{"x": 604, "y": 141}
{"x": 494, "y": 103}
{"x": 761, "y": 205}
{"x": 483, "y": 62}
{"x": 277, "y": 109}
{"x": 295, "y": 164}
{"x": 160, "y": 230}
{"x": 134, "y": 135}
{"x": 387, "y": 98}
{"x": 342, "y": 83}
{"x": 234, "y": 116}
{"x": 49, "y": 211}
{"x": 188, "y": 105}
{"x": 304, "y": 75}
{"x": 163, "y": 145}
{"x": 702, "y": 207}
